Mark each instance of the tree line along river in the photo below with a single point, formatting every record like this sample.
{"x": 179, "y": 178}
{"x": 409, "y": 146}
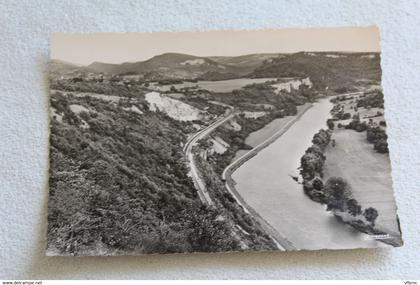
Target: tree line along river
{"x": 265, "y": 183}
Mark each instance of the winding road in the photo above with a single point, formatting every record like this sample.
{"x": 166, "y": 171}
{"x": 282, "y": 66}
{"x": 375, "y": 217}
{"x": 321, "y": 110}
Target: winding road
{"x": 198, "y": 182}
{"x": 281, "y": 242}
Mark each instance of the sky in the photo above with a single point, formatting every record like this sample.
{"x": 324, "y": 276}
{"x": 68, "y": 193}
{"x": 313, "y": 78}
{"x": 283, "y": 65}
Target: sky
{"x": 84, "y": 49}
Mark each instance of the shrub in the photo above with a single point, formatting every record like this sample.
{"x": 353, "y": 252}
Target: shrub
{"x": 357, "y": 125}
{"x": 353, "y": 207}
{"x": 374, "y": 134}
{"x": 330, "y": 124}
{"x": 381, "y": 146}
{"x": 372, "y": 100}
{"x": 370, "y": 215}
{"x": 346, "y": 116}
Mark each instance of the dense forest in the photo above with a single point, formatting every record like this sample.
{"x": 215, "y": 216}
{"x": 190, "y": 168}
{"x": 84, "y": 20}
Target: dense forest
{"x": 120, "y": 184}
{"x": 119, "y": 180}
{"x": 333, "y": 70}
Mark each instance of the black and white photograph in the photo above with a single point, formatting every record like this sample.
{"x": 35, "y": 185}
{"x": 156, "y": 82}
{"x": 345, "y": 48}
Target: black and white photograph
{"x": 218, "y": 141}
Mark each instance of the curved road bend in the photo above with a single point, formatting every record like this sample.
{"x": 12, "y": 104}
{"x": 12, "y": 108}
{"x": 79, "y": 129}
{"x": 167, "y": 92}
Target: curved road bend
{"x": 281, "y": 243}
{"x": 198, "y": 182}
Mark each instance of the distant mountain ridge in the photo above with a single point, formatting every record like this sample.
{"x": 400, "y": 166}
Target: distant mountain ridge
{"x": 61, "y": 66}
{"x": 250, "y": 60}
{"x": 327, "y": 68}
{"x": 181, "y": 64}
{"x": 177, "y": 65}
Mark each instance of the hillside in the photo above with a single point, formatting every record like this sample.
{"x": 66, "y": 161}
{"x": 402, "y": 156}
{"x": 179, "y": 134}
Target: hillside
{"x": 104, "y": 67}
{"x": 177, "y": 65}
{"x": 326, "y": 69}
{"x": 119, "y": 181}
{"x": 62, "y": 67}
{"x": 118, "y": 193}
{"x": 168, "y": 65}
{"x": 244, "y": 63}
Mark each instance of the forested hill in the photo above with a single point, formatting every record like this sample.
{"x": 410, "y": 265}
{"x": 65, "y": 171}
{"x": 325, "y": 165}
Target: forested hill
{"x": 173, "y": 66}
{"x": 119, "y": 183}
{"x": 326, "y": 69}
{"x": 332, "y": 69}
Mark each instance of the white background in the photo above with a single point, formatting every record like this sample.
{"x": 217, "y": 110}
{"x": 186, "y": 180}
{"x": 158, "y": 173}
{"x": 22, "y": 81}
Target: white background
{"x": 24, "y": 34}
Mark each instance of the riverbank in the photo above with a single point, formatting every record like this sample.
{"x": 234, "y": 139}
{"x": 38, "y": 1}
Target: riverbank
{"x": 354, "y": 159}
{"x": 245, "y": 229}
{"x": 264, "y": 182}
{"x": 257, "y": 137}
{"x": 254, "y": 151}
{"x": 352, "y": 179}
{"x": 367, "y": 171}
{"x": 282, "y": 241}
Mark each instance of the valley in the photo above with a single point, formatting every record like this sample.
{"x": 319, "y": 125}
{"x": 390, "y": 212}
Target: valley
{"x": 181, "y": 153}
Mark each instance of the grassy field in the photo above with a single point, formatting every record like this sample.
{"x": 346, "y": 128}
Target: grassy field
{"x": 364, "y": 113}
{"x": 261, "y": 135}
{"x": 257, "y": 137}
{"x": 368, "y": 173}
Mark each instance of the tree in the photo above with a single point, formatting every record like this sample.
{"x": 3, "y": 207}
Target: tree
{"x": 353, "y": 207}
{"x": 346, "y": 116}
{"x": 356, "y": 117}
{"x": 317, "y": 184}
{"x": 311, "y": 164}
{"x": 322, "y": 138}
{"x": 337, "y": 192}
{"x": 370, "y": 215}
{"x": 381, "y": 146}
{"x": 330, "y": 124}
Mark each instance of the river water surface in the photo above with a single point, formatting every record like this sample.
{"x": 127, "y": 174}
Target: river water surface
{"x": 264, "y": 182}
{"x": 217, "y": 86}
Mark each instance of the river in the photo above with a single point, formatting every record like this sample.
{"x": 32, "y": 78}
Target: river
{"x": 216, "y": 86}
{"x": 265, "y": 184}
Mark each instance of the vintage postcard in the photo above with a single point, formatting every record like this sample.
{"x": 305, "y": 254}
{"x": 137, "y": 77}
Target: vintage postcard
{"x": 218, "y": 141}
